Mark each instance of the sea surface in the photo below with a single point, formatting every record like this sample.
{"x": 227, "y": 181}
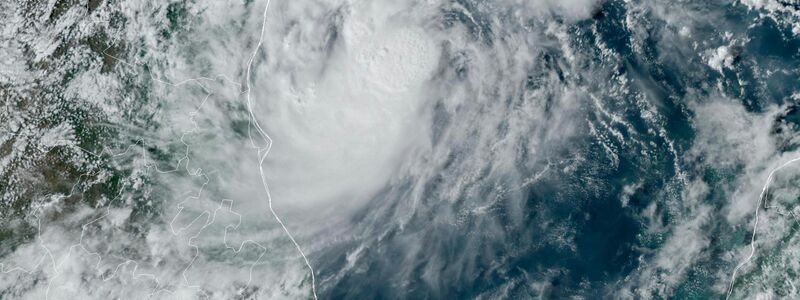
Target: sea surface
{"x": 436, "y": 149}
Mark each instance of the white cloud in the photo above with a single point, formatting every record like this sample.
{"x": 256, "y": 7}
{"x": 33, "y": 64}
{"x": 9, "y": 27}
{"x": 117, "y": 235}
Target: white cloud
{"x": 342, "y": 125}
{"x": 720, "y": 58}
{"x": 571, "y": 10}
{"x": 728, "y": 135}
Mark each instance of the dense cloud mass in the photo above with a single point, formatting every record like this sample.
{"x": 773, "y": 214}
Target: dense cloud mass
{"x": 339, "y": 149}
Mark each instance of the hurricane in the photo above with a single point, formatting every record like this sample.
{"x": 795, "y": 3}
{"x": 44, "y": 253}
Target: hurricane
{"x": 407, "y": 149}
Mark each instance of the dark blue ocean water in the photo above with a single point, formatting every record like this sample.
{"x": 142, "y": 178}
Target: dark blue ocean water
{"x": 513, "y": 250}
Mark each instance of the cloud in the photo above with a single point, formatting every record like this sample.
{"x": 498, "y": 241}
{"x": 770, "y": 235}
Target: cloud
{"x": 720, "y": 58}
{"x": 345, "y": 119}
{"x": 728, "y": 135}
{"x": 571, "y": 10}
{"x": 729, "y": 140}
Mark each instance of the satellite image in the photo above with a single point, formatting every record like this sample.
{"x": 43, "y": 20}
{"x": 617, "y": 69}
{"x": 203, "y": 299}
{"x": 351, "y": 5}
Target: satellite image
{"x": 399, "y": 149}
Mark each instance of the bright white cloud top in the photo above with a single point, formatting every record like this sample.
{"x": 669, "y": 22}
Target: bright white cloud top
{"x": 417, "y": 149}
